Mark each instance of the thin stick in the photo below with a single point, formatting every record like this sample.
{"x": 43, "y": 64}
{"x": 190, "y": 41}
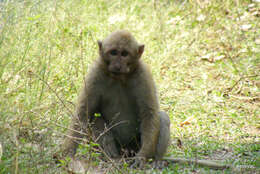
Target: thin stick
{"x": 241, "y": 78}
{"x": 204, "y": 163}
{"x": 46, "y": 83}
{"x": 59, "y": 125}
{"x": 17, "y": 152}
{"x": 116, "y": 124}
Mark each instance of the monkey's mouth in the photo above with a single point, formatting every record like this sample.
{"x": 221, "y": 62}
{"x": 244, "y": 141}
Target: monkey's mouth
{"x": 116, "y": 73}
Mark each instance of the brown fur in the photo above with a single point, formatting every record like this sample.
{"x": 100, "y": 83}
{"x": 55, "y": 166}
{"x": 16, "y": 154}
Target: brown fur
{"x": 120, "y": 88}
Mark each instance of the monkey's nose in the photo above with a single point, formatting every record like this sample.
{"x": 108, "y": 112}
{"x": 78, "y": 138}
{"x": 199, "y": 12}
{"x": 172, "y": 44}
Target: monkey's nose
{"x": 117, "y": 68}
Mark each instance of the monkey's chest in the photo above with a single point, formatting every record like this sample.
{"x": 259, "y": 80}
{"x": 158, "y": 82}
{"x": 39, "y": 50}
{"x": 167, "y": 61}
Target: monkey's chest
{"x": 121, "y": 114}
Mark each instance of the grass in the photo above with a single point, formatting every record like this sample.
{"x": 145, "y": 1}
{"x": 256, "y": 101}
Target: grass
{"x": 204, "y": 56}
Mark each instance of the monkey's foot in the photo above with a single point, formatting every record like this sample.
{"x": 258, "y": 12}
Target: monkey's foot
{"x": 159, "y": 164}
{"x": 139, "y": 162}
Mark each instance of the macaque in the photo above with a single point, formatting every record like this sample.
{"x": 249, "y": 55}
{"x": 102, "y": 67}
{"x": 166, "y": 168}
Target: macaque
{"x": 119, "y": 104}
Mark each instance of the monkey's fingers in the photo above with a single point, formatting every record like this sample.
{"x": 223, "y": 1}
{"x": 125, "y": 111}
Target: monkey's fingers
{"x": 159, "y": 164}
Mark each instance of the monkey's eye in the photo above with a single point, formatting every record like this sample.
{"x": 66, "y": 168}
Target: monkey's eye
{"x": 113, "y": 52}
{"x": 124, "y": 53}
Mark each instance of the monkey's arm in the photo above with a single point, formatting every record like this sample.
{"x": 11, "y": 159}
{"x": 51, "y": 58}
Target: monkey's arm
{"x": 149, "y": 139}
{"x": 149, "y": 134}
{"x": 148, "y": 111}
{"x": 86, "y": 107}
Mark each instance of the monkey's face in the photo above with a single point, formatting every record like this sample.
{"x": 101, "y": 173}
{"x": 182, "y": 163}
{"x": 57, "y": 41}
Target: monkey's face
{"x": 119, "y": 61}
{"x": 120, "y": 53}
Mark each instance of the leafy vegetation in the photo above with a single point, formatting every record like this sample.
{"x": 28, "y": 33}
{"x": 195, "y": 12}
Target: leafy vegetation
{"x": 204, "y": 55}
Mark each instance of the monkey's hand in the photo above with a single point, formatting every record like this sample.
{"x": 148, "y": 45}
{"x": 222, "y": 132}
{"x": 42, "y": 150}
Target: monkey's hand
{"x": 138, "y": 162}
{"x": 62, "y": 155}
{"x": 69, "y": 148}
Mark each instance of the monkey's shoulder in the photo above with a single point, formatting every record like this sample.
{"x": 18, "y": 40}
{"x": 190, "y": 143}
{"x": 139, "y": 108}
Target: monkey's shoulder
{"x": 94, "y": 74}
{"x": 143, "y": 78}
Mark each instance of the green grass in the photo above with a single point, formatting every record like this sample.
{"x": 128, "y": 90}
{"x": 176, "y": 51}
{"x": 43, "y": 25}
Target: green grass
{"x": 204, "y": 56}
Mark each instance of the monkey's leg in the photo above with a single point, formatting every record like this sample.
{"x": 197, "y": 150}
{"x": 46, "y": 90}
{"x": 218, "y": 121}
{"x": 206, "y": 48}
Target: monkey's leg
{"x": 164, "y": 136}
{"x": 164, "y": 139}
{"x": 105, "y": 138}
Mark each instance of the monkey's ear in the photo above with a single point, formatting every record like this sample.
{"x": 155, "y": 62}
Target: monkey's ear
{"x": 99, "y": 45}
{"x": 140, "y": 50}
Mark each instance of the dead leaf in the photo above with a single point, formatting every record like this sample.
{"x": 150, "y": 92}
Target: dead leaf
{"x": 201, "y": 18}
{"x": 212, "y": 58}
{"x": 187, "y": 121}
{"x": 1, "y": 151}
{"x": 256, "y": 13}
{"x": 76, "y": 166}
{"x": 116, "y": 18}
{"x": 251, "y": 5}
{"x": 207, "y": 57}
{"x": 174, "y": 20}
{"x": 219, "y": 57}
{"x": 245, "y": 27}
{"x": 257, "y": 41}
{"x": 179, "y": 143}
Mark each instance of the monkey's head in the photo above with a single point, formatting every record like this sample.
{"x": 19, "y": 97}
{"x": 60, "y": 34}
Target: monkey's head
{"x": 120, "y": 52}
